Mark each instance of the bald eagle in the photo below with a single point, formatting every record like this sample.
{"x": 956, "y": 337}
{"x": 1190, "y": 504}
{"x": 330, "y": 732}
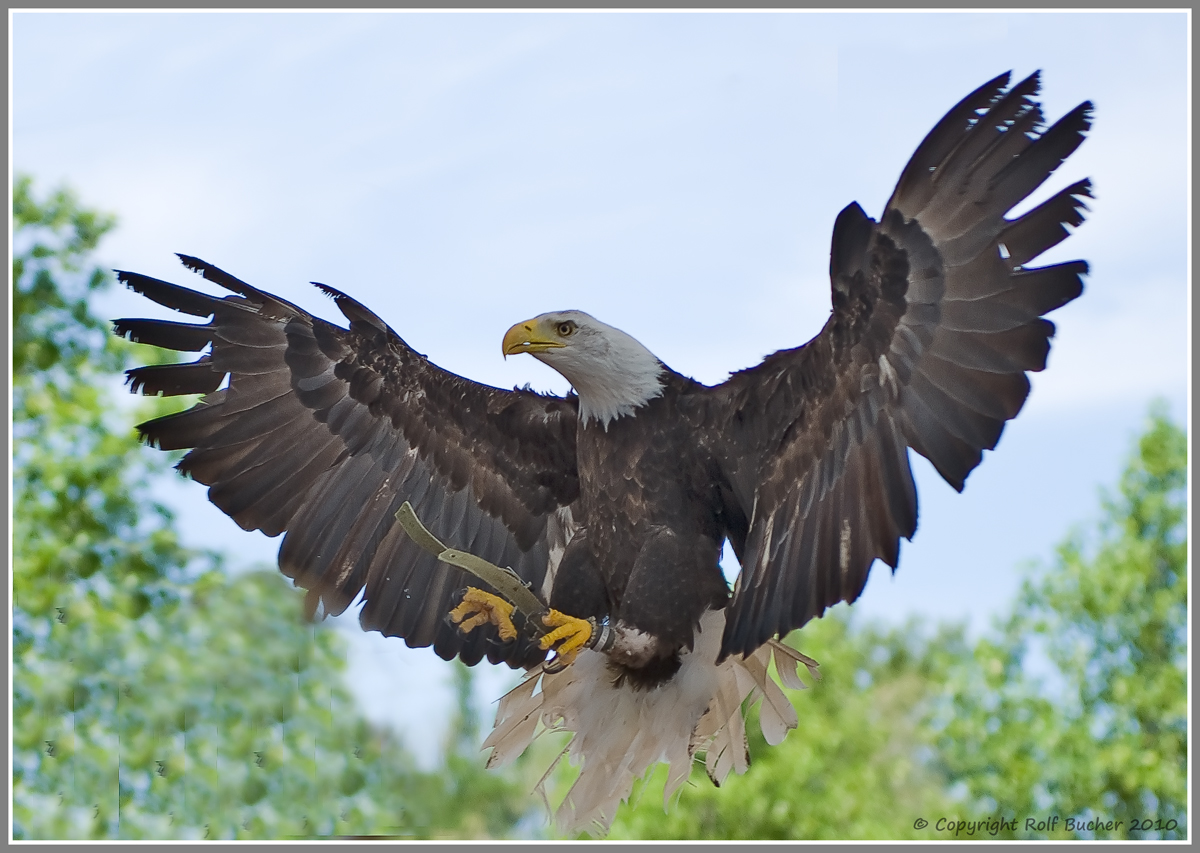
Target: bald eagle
{"x": 612, "y": 504}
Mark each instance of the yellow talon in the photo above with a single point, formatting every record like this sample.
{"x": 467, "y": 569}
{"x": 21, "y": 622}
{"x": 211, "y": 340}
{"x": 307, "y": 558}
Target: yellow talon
{"x": 480, "y": 608}
{"x": 572, "y": 632}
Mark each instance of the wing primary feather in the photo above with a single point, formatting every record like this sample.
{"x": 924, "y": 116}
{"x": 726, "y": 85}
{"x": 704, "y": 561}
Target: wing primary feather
{"x": 1043, "y": 289}
{"x": 353, "y": 310}
{"x": 266, "y": 304}
{"x": 172, "y": 380}
{"x": 915, "y": 187}
{"x": 181, "y": 299}
{"x": 1047, "y": 224}
{"x": 165, "y": 334}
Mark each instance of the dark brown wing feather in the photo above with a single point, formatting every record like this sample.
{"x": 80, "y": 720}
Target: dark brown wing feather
{"x": 935, "y": 321}
{"x": 322, "y": 432}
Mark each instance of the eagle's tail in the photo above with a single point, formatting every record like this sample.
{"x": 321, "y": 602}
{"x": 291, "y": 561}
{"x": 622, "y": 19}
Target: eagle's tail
{"x": 620, "y": 731}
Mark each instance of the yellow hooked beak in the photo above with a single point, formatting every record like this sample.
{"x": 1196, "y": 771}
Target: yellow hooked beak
{"x": 531, "y": 336}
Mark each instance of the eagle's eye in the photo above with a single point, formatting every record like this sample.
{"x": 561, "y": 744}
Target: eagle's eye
{"x": 566, "y": 328}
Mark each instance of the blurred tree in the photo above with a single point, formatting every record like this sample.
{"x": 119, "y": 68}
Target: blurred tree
{"x": 1079, "y": 707}
{"x": 496, "y": 798}
{"x": 154, "y": 696}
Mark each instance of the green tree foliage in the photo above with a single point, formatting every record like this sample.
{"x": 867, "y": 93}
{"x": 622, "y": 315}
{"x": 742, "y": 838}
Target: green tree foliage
{"x": 488, "y": 799}
{"x": 153, "y": 695}
{"x": 53, "y": 328}
{"x": 1079, "y": 707}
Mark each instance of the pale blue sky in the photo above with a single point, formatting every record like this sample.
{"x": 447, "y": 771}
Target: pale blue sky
{"x": 676, "y": 175}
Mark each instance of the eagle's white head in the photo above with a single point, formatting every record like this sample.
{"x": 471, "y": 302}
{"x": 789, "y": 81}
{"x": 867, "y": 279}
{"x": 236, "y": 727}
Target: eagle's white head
{"x": 612, "y": 373}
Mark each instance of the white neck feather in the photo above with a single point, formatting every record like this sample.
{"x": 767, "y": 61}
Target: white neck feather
{"x": 607, "y": 398}
{"x": 611, "y": 371}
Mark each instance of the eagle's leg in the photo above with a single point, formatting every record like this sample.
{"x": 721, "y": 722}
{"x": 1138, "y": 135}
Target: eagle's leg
{"x": 480, "y": 608}
{"x": 567, "y": 636}
{"x": 569, "y": 633}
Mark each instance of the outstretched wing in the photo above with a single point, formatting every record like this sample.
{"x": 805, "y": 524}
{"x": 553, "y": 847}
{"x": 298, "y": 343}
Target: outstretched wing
{"x": 936, "y": 317}
{"x": 322, "y": 432}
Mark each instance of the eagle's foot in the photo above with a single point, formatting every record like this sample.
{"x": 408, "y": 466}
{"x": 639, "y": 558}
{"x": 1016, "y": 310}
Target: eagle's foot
{"x": 570, "y": 633}
{"x": 480, "y": 608}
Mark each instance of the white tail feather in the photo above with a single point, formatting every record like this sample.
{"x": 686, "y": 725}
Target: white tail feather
{"x": 786, "y": 661}
{"x": 513, "y": 727}
{"x": 776, "y": 715}
{"x": 620, "y": 732}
